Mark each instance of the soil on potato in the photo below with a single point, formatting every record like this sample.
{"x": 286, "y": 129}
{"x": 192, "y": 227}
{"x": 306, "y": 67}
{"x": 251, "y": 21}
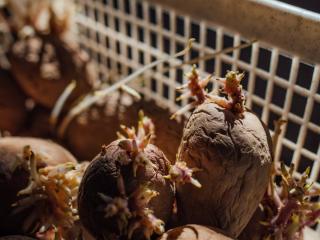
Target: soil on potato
{"x": 12, "y": 180}
{"x": 12, "y": 104}
{"x": 99, "y": 125}
{"x": 234, "y": 156}
{"x": 101, "y": 177}
{"x": 45, "y": 65}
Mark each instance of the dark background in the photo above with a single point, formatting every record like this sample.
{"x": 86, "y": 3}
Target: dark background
{"x": 312, "y": 5}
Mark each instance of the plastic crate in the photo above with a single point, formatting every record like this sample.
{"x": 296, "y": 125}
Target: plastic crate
{"x": 282, "y": 70}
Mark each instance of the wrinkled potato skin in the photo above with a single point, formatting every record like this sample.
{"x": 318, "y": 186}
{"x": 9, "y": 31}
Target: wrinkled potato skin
{"x": 194, "y": 232}
{"x": 234, "y": 156}
{"x": 12, "y": 104}
{"x": 120, "y": 108}
{"x": 44, "y": 70}
{"x": 11, "y": 183}
{"x": 101, "y": 177}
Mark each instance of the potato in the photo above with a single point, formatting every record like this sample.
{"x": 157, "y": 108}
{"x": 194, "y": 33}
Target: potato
{"x": 234, "y": 154}
{"x": 12, "y": 104}
{"x": 193, "y": 232}
{"x": 15, "y": 177}
{"x": 105, "y": 174}
{"x": 44, "y": 66}
{"x": 120, "y": 108}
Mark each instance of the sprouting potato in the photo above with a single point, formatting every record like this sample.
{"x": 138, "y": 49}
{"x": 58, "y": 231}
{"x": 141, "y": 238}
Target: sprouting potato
{"x": 29, "y": 170}
{"x": 123, "y": 192}
{"x": 232, "y": 148}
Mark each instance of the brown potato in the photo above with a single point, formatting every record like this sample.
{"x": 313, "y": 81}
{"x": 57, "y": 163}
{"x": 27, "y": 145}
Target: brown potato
{"x": 12, "y": 104}
{"x": 194, "y": 232}
{"x": 99, "y": 125}
{"x": 234, "y": 155}
{"x": 14, "y": 176}
{"x": 102, "y": 176}
{"x": 44, "y": 66}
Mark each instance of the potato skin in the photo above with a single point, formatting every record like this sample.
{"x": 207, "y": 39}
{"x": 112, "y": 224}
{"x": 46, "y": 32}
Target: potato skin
{"x": 44, "y": 66}
{"x": 11, "y": 182}
{"x": 194, "y": 232}
{"x": 120, "y": 108}
{"x": 101, "y": 177}
{"x": 12, "y": 104}
{"x": 235, "y": 157}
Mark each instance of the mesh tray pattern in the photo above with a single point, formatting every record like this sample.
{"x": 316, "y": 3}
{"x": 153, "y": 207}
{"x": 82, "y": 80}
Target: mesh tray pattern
{"x": 123, "y": 35}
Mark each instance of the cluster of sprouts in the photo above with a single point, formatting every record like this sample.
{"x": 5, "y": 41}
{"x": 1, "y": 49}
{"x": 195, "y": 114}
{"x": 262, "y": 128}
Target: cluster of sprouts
{"x": 131, "y": 212}
{"x": 117, "y": 208}
{"x": 180, "y": 173}
{"x": 143, "y": 217}
{"x": 196, "y": 86}
{"x": 196, "y": 89}
{"x": 51, "y": 195}
{"x": 288, "y": 207}
{"x": 136, "y": 141}
{"x": 148, "y": 222}
{"x": 233, "y": 88}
